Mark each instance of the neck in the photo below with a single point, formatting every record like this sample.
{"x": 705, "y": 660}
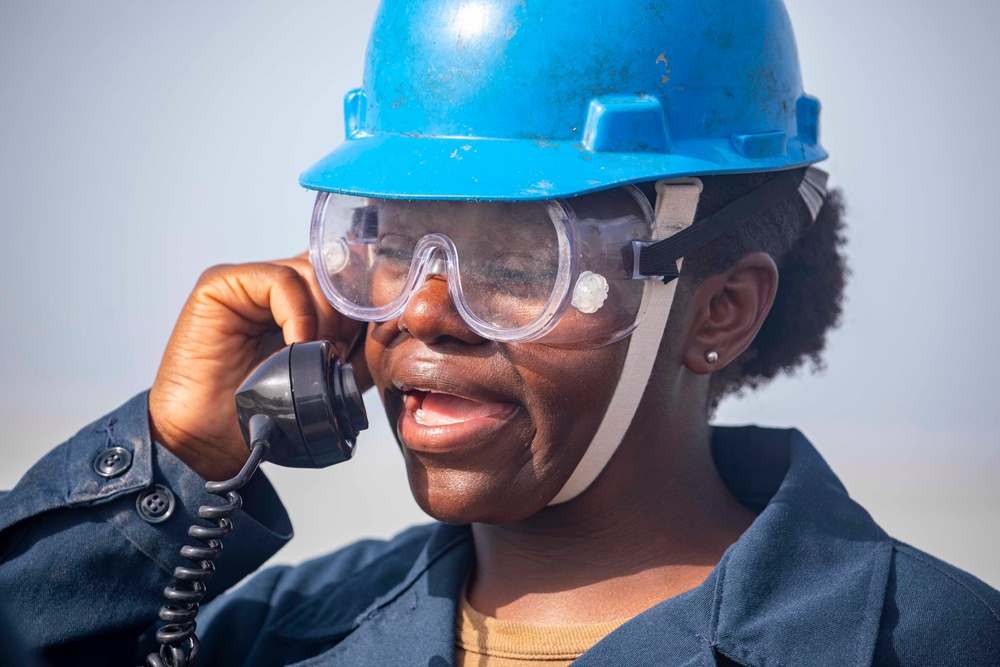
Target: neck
{"x": 653, "y": 525}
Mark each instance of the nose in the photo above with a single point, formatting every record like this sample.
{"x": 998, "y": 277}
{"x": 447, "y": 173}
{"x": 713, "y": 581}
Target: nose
{"x": 430, "y": 315}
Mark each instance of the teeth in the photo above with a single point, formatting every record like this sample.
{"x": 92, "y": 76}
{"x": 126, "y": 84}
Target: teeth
{"x": 421, "y": 417}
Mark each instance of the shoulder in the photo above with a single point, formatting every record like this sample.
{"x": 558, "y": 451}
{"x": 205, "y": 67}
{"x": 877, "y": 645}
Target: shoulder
{"x": 936, "y": 614}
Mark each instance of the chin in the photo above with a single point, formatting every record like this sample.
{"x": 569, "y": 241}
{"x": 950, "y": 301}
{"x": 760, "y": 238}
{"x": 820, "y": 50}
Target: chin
{"x": 463, "y": 496}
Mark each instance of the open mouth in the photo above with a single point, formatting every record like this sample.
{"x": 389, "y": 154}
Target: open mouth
{"x": 435, "y": 421}
{"x": 436, "y": 409}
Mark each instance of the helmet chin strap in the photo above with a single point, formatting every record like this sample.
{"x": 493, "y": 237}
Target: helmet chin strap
{"x": 676, "y": 204}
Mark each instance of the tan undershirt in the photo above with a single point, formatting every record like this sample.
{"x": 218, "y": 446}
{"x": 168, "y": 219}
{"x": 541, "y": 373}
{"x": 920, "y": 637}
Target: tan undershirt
{"x": 483, "y": 641}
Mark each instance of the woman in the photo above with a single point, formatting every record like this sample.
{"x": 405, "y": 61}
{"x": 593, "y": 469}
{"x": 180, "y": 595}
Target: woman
{"x": 609, "y": 523}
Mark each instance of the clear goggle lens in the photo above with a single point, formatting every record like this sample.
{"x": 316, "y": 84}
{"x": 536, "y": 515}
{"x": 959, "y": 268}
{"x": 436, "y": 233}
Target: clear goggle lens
{"x": 551, "y": 272}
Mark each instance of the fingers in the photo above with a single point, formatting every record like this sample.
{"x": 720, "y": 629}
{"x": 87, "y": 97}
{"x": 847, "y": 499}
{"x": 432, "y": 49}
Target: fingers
{"x": 331, "y": 325}
{"x": 346, "y": 334}
{"x": 260, "y": 296}
{"x": 283, "y": 292}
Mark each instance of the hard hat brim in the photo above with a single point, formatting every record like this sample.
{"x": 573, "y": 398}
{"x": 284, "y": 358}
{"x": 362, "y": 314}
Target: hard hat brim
{"x": 393, "y": 166}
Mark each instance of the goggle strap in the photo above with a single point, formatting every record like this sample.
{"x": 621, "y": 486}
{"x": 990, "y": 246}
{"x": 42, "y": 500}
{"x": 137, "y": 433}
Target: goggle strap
{"x": 676, "y": 209}
{"x": 659, "y": 259}
{"x": 814, "y": 190}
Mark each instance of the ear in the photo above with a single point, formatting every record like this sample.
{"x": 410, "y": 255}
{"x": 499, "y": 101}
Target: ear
{"x": 728, "y": 310}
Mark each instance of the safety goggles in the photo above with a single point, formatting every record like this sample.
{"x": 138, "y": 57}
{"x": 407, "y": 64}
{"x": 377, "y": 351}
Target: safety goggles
{"x": 567, "y": 272}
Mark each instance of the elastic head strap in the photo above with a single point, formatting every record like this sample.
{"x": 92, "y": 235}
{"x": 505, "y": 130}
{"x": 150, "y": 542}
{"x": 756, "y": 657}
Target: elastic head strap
{"x": 659, "y": 259}
{"x": 676, "y": 204}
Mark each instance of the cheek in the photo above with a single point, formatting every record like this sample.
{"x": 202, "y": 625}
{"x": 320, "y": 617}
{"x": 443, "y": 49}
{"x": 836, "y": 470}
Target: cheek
{"x": 388, "y": 281}
{"x": 570, "y": 391}
{"x": 380, "y": 336}
{"x": 566, "y": 395}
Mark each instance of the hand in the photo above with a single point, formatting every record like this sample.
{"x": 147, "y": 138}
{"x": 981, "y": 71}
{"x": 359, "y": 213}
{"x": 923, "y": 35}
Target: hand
{"x": 236, "y": 316}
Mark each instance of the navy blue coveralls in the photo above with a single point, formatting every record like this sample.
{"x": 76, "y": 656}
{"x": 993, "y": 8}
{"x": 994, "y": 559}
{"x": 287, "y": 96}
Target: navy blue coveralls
{"x": 814, "y": 581}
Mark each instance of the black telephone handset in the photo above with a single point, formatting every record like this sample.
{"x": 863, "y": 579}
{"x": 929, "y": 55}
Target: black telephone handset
{"x": 305, "y": 403}
{"x": 301, "y": 408}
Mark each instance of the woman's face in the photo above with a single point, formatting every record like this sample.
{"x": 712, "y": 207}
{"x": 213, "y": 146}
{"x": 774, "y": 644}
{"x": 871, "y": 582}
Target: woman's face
{"x": 489, "y": 431}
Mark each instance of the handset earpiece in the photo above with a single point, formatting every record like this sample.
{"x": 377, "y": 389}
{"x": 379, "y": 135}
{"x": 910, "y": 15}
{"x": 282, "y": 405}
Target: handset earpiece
{"x": 305, "y": 403}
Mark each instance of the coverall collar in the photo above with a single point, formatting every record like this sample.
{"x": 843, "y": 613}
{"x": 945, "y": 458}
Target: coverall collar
{"x": 805, "y": 582}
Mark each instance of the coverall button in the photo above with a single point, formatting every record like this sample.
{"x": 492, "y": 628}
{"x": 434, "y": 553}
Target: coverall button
{"x": 155, "y": 505}
{"x": 113, "y": 462}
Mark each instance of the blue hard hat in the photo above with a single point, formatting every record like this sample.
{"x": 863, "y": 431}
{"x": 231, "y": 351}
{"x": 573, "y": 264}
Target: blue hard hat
{"x": 542, "y": 99}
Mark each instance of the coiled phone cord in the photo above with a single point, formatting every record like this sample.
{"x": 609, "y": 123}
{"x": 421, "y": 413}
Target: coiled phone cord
{"x": 179, "y": 644}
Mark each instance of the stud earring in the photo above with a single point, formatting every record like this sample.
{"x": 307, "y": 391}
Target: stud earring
{"x": 711, "y": 356}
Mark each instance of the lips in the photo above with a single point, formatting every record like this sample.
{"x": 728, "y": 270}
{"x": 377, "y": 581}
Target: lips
{"x": 454, "y": 400}
{"x": 438, "y": 422}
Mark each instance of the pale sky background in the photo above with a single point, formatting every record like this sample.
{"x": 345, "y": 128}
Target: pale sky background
{"x": 142, "y": 142}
